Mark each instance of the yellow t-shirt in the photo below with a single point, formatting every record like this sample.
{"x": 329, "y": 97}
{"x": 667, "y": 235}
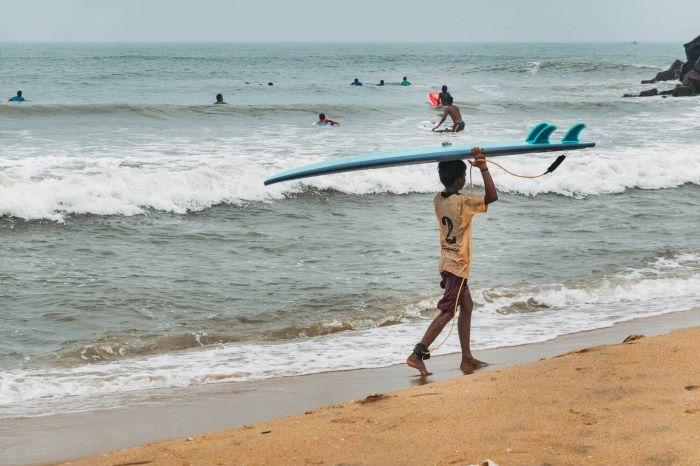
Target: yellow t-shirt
{"x": 454, "y": 215}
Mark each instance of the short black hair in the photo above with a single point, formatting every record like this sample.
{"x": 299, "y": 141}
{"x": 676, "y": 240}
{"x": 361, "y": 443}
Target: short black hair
{"x": 219, "y": 96}
{"x": 450, "y": 171}
{"x": 19, "y": 93}
{"x": 448, "y": 100}
{"x": 321, "y": 116}
{"x": 444, "y": 88}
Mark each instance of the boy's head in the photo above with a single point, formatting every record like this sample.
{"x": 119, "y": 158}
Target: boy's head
{"x": 444, "y": 88}
{"x": 381, "y": 81}
{"x": 451, "y": 172}
{"x": 19, "y": 93}
{"x": 449, "y": 100}
{"x": 321, "y": 116}
{"x": 404, "y": 78}
{"x": 219, "y": 97}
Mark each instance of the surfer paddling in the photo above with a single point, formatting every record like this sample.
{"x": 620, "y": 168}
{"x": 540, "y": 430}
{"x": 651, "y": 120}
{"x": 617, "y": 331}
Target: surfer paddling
{"x": 454, "y": 212}
{"x": 453, "y": 112}
{"x": 323, "y": 121}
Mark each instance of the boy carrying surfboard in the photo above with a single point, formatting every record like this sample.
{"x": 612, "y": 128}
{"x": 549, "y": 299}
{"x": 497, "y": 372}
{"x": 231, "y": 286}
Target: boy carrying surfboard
{"x": 454, "y": 212}
{"x": 453, "y": 112}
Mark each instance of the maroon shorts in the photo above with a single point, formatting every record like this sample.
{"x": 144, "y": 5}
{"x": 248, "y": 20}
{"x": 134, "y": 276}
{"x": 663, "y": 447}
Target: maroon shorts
{"x": 451, "y": 283}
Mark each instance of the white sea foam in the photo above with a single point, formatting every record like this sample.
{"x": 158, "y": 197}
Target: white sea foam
{"x": 50, "y": 187}
{"x": 503, "y": 317}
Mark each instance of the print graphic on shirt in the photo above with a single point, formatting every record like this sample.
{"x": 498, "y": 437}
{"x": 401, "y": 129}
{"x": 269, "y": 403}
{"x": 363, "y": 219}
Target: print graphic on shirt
{"x": 448, "y": 223}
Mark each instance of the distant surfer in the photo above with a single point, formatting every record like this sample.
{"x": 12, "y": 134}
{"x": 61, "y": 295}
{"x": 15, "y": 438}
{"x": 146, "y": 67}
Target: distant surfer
{"x": 453, "y": 112}
{"x": 381, "y": 83}
{"x": 17, "y": 98}
{"x": 454, "y": 212}
{"x": 323, "y": 121}
{"x": 220, "y": 99}
{"x": 405, "y": 82}
{"x": 356, "y": 82}
{"x": 443, "y": 95}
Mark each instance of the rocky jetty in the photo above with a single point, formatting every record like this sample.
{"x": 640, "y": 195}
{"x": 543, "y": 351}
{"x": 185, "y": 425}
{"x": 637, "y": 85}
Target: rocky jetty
{"x": 688, "y": 73}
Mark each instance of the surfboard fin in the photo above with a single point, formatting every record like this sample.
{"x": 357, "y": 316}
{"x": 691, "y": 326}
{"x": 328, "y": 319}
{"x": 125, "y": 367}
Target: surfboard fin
{"x": 556, "y": 163}
{"x": 532, "y": 135}
{"x": 571, "y": 136}
{"x": 543, "y": 136}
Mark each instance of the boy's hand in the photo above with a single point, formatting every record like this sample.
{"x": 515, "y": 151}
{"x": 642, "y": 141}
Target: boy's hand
{"x": 479, "y": 158}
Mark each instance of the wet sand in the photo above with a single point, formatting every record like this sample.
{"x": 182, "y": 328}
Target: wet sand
{"x": 633, "y": 403}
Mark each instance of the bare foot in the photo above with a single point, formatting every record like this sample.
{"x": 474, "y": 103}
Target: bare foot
{"x": 416, "y": 363}
{"x": 468, "y": 365}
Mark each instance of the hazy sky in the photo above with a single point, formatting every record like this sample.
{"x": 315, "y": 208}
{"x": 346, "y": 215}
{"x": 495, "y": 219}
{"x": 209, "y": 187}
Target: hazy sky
{"x": 351, "y": 20}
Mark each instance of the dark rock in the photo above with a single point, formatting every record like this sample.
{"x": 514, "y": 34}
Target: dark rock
{"x": 692, "y": 50}
{"x": 697, "y": 65}
{"x": 682, "y": 91}
{"x": 647, "y": 93}
{"x": 668, "y": 92}
{"x": 671, "y": 74}
{"x": 692, "y": 53}
{"x": 692, "y": 80}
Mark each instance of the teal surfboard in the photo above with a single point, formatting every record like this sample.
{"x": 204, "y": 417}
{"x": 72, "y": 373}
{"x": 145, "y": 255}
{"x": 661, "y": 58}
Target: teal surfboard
{"x": 537, "y": 140}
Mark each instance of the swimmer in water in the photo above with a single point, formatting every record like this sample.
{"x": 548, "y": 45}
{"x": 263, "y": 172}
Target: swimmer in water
{"x": 356, "y": 82}
{"x": 453, "y": 112}
{"x": 405, "y": 82}
{"x": 219, "y": 99}
{"x": 17, "y": 98}
{"x": 323, "y": 121}
{"x": 381, "y": 82}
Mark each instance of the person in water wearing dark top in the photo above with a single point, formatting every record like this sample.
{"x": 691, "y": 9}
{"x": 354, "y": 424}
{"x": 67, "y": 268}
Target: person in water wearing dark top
{"x": 443, "y": 95}
{"x": 381, "y": 82}
{"x": 323, "y": 121}
{"x": 17, "y": 98}
{"x": 405, "y": 82}
{"x": 270, "y": 83}
{"x": 453, "y": 112}
{"x": 219, "y": 99}
{"x": 356, "y": 82}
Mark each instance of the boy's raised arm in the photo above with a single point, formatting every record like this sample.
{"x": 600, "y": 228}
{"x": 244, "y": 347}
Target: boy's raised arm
{"x": 479, "y": 161}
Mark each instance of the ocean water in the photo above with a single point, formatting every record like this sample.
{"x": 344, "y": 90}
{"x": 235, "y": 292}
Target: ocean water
{"x": 140, "y": 249}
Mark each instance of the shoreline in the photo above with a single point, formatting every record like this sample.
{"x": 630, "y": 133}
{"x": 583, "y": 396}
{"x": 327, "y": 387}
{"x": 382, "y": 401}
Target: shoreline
{"x": 186, "y": 412}
{"x": 636, "y": 402}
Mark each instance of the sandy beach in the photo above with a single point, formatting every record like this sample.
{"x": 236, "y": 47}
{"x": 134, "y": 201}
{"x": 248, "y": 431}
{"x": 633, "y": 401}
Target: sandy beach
{"x": 630, "y": 403}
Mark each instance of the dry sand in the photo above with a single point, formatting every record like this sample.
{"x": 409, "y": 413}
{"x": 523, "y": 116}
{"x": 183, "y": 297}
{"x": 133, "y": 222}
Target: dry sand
{"x": 636, "y": 403}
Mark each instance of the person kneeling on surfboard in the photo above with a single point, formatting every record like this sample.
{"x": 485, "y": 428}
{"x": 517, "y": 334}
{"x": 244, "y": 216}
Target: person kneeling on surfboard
{"x": 323, "y": 121}
{"x": 454, "y": 212}
{"x": 454, "y": 113}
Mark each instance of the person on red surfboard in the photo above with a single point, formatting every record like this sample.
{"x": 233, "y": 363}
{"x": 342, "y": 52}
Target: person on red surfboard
{"x": 443, "y": 95}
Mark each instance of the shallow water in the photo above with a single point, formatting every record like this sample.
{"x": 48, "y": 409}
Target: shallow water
{"x": 141, "y": 249}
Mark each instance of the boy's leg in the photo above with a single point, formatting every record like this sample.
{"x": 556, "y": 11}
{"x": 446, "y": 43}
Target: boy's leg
{"x": 431, "y": 334}
{"x": 447, "y": 305}
{"x": 464, "y": 323}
